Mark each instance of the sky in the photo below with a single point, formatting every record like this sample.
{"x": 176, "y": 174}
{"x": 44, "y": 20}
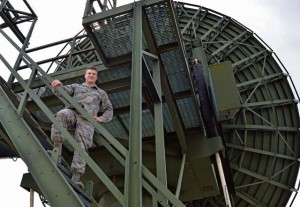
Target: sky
{"x": 276, "y": 22}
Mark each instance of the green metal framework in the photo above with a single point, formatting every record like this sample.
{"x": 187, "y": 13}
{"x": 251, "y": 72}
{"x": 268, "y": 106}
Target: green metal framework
{"x": 143, "y": 52}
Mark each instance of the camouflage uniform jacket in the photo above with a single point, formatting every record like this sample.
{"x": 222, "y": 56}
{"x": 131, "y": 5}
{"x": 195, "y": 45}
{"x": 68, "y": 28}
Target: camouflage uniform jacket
{"x": 92, "y": 99}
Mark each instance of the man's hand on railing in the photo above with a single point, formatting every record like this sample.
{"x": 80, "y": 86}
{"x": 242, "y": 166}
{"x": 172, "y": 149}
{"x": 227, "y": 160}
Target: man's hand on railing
{"x": 56, "y": 83}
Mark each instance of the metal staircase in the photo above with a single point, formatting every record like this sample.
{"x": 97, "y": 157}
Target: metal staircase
{"x": 31, "y": 147}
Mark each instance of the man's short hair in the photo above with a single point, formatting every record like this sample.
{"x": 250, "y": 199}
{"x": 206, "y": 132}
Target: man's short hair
{"x": 91, "y": 68}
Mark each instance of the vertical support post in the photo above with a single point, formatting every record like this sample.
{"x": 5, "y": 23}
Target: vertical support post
{"x": 154, "y": 202}
{"x": 70, "y": 59}
{"x": 31, "y": 197}
{"x": 104, "y": 5}
{"x": 159, "y": 130}
{"x": 223, "y": 181}
{"x": 134, "y": 162}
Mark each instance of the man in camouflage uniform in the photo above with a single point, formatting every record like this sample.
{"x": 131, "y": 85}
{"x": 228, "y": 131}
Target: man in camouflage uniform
{"x": 93, "y": 100}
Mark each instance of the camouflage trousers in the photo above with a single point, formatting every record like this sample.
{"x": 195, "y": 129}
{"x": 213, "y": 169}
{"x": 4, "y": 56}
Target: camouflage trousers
{"x": 84, "y": 131}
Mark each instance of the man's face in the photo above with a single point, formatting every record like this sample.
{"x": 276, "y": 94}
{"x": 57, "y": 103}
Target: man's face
{"x": 90, "y": 76}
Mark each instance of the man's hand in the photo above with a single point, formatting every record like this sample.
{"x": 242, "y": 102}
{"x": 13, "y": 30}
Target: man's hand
{"x": 56, "y": 83}
{"x": 98, "y": 119}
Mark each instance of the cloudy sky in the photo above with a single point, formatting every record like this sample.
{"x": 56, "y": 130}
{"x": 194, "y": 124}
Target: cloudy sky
{"x": 274, "y": 21}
